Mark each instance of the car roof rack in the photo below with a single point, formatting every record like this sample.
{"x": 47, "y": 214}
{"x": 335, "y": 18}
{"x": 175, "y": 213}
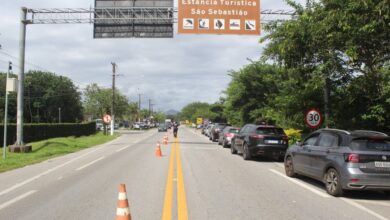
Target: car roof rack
{"x": 334, "y": 129}
{"x": 369, "y": 131}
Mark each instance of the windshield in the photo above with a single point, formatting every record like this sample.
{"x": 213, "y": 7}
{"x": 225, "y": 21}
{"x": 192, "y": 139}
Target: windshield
{"x": 269, "y": 131}
{"x": 371, "y": 145}
{"x": 234, "y": 130}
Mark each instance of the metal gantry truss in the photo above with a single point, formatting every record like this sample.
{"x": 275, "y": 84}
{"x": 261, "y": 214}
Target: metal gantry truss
{"x": 120, "y": 15}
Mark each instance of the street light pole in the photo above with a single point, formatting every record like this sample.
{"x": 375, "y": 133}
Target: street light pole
{"x": 22, "y": 47}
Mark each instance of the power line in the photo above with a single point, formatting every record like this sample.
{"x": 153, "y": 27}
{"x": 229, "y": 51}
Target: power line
{"x": 29, "y": 63}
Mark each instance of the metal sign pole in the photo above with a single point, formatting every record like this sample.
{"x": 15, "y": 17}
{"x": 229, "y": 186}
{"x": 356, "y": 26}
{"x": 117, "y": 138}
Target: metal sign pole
{"x": 6, "y": 113}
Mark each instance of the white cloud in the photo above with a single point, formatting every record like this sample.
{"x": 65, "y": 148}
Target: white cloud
{"x": 171, "y": 72}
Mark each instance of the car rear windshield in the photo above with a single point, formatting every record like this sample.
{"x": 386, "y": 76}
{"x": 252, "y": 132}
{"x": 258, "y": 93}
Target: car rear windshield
{"x": 269, "y": 131}
{"x": 371, "y": 144}
{"x": 234, "y": 130}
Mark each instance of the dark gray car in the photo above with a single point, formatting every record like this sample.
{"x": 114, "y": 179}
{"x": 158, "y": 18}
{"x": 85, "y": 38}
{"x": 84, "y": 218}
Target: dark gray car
{"x": 215, "y": 130}
{"x": 343, "y": 160}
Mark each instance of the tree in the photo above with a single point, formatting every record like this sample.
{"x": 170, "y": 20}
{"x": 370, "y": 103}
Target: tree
{"x": 46, "y": 93}
{"x": 330, "y": 47}
{"x": 196, "y": 110}
{"x": 247, "y": 95}
{"x": 98, "y": 101}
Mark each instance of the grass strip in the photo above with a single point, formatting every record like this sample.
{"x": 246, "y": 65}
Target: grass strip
{"x": 43, "y": 150}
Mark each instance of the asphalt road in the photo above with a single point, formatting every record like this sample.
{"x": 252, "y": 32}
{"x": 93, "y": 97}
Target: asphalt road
{"x": 195, "y": 179}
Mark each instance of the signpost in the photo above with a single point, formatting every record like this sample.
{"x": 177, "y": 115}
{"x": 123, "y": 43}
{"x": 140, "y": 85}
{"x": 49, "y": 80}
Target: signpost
{"x": 219, "y": 17}
{"x": 313, "y": 118}
{"x": 199, "y": 121}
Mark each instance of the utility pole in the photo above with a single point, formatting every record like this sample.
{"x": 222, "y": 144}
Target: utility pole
{"x": 139, "y": 107}
{"x": 59, "y": 115}
{"x": 113, "y": 99}
{"x": 6, "y": 113}
{"x": 150, "y": 107}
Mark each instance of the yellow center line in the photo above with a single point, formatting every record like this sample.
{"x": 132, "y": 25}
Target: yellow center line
{"x": 182, "y": 213}
{"x": 167, "y": 210}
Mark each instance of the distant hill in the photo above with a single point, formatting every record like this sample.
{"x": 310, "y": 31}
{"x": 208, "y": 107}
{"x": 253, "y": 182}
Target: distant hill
{"x": 171, "y": 112}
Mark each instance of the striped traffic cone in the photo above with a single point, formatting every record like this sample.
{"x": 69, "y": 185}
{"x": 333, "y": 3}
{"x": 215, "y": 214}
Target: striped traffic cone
{"x": 158, "y": 150}
{"x": 122, "y": 210}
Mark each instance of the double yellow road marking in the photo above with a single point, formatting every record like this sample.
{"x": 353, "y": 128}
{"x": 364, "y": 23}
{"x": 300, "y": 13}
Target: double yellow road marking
{"x": 182, "y": 213}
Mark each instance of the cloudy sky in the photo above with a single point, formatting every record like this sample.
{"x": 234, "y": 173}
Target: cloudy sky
{"x": 171, "y": 72}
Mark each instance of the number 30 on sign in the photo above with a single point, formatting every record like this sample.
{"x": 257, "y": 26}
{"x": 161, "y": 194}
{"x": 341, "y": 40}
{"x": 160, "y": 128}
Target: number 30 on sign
{"x": 313, "y": 118}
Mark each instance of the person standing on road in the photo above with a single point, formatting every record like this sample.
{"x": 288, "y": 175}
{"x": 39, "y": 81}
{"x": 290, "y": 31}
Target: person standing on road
{"x": 175, "y": 129}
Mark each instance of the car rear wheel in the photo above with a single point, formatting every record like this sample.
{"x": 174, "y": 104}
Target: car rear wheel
{"x": 232, "y": 149}
{"x": 224, "y": 144}
{"x": 246, "y": 154}
{"x": 289, "y": 167}
{"x": 333, "y": 183}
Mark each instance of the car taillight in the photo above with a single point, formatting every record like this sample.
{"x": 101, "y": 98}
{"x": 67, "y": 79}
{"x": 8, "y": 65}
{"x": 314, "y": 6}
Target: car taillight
{"x": 229, "y": 135}
{"x": 285, "y": 140}
{"x": 352, "y": 158}
{"x": 257, "y": 136}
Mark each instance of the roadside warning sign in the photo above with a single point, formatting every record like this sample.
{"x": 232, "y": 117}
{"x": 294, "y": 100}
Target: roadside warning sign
{"x": 219, "y": 17}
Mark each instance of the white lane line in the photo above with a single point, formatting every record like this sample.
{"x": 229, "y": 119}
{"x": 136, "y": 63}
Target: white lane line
{"x": 369, "y": 211}
{"x": 89, "y": 164}
{"x": 17, "y": 185}
{"x": 373, "y": 202}
{"x": 121, "y": 149}
{"x": 318, "y": 192}
{"x": 12, "y": 201}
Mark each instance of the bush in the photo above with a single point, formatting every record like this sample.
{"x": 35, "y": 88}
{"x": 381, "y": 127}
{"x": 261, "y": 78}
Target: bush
{"x": 293, "y": 135}
{"x": 37, "y": 132}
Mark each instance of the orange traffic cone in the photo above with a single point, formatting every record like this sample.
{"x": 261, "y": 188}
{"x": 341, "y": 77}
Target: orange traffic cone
{"x": 158, "y": 150}
{"x": 165, "y": 141}
{"x": 122, "y": 210}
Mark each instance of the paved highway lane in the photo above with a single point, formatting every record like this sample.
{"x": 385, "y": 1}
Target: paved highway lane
{"x": 205, "y": 182}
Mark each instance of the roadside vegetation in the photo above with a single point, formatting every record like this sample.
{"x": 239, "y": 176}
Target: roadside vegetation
{"x": 51, "y": 148}
{"x": 334, "y": 56}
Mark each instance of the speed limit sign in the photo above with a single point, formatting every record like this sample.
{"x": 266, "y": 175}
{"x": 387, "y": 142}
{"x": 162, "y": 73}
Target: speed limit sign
{"x": 107, "y": 119}
{"x": 313, "y": 118}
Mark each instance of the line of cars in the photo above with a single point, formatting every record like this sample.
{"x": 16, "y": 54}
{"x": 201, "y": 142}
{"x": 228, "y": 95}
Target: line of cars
{"x": 343, "y": 160}
{"x": 251, "y": 140}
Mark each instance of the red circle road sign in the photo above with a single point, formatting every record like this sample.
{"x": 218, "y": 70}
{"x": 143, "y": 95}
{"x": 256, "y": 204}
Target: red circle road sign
{"x": 313, "y": 118}
{"x": 107, "y": 119}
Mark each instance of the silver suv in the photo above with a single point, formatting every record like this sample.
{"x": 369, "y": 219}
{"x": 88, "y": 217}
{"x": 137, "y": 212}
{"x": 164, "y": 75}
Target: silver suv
{"x": 343, "y": 160}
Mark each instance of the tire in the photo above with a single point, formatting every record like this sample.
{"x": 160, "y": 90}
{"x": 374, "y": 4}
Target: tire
{"x": 224, "y": 145}
{"x": 232, "y": 149}
{"x": 289, "y": 167}
{"x": 333, "y": 183}
{"x": 246, "y": 155}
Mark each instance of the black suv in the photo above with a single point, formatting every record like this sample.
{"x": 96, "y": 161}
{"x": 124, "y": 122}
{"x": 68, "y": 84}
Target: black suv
{"x": 257, "y": 140}
{"x": 343, "y": 160}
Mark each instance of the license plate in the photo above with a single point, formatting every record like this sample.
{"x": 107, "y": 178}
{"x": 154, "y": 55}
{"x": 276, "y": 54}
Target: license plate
{"x": 273, "y": 142}
{"x": 382, "y": 164}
